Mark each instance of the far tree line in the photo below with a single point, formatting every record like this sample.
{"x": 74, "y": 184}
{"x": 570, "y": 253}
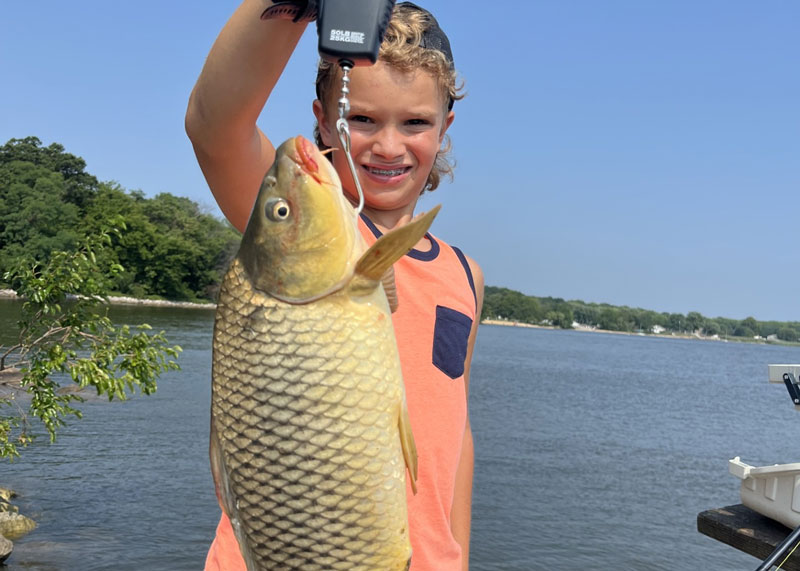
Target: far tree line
{"x": 509, "y": 305}
{"x": 49, "y": 203}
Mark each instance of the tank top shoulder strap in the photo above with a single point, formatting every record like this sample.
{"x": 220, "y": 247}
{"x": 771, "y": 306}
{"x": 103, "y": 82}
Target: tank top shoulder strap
{"x": 463, "y": 259}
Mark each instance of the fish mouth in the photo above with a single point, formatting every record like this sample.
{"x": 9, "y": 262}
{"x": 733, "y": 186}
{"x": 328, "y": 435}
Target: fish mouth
{"x": 305, "y": 159}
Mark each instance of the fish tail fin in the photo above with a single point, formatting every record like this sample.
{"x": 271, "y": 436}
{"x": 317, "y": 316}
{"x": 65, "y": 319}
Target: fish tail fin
{"x": 394, "y": 245}
{"x": 408, "y": 445}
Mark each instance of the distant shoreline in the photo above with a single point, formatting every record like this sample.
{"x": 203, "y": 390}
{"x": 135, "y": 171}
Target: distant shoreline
{"x": 595, "y": 330}
{"x": 123, "y": 300}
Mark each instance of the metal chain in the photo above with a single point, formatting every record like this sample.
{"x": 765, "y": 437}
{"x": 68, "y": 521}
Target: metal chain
{"x": 343, "y": 129}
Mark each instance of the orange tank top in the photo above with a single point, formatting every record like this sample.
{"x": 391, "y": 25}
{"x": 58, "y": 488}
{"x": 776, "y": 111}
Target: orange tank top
{"x": 437, "y": 305}
{"x": 432, "y": 325}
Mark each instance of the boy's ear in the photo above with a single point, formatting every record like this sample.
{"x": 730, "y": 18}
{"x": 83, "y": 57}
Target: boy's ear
{"x": 324, "y": 127}
{"x": 448, "y": 120}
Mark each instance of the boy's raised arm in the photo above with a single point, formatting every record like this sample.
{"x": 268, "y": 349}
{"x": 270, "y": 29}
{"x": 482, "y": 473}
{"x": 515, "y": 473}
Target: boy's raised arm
{"x": 240, "y": 72}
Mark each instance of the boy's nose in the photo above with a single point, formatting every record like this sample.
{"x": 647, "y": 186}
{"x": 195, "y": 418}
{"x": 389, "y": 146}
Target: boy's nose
{"x": 388, "y": 143}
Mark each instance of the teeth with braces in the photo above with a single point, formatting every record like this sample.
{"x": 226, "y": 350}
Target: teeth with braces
{"x": 384, "y": 172}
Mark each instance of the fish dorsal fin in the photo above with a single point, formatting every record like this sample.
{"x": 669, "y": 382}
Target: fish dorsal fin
{"x": 394, "y": 245}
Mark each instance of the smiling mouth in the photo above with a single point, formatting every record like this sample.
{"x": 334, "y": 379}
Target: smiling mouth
{"x": 387, "y": 172}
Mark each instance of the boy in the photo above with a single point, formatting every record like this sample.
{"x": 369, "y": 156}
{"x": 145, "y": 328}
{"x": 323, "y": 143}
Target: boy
{"x": 400, "y": 110}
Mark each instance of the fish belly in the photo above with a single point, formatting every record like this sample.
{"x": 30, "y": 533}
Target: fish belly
{"x": 305, "y": 407}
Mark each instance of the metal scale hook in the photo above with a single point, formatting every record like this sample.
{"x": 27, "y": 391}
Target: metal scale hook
{"x": 343, "y": 129}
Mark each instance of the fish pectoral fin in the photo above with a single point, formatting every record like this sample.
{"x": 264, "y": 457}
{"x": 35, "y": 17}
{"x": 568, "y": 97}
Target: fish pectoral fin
{"x": 215, "y": 455}
{"x": 408, "y": 445}
{"x": 390, "y": 289}
{"x": 226, "y": 498}
{"x": 394, "y": 245}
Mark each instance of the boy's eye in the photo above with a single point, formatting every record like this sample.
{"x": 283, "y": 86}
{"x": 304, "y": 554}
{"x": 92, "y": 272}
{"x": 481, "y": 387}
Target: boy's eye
{"x": 418, "y": 122}
{"x": 359, "y": 119}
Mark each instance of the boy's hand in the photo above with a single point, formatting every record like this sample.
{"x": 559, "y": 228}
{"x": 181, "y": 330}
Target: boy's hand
{"x": 295, "y": 10}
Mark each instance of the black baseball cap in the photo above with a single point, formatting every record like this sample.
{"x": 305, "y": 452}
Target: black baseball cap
{"x": 433, "y": 38}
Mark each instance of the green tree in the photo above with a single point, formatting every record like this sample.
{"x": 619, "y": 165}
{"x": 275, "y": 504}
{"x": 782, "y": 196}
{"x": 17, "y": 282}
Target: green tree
{"x": 645, "y": 320}
{"x": 65, "y": 336}
{"x": 694, "y": 321}
{"x": 191, "y": 250}
{"x": 726, "y": 325}
{"x": 677, "y": 322}
{"x": 559, "y": 319}
{"x": 751, "y": 324}
{"x": 585, "y": 314}
{"x": 512, "y": 305}
{"x": 616, "y": 319}
{"x": 79, "y": 185}
{"x": 34, "y": 219}
{"x": 48, "y": 201}
{"x": 133, "y": 250}
{"x": 787, "y": 334}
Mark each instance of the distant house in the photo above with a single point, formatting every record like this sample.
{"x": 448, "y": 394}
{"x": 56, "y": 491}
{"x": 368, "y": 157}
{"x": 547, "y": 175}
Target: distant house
{"x": 773, "y": 337}
{"x": 657, "y": 329}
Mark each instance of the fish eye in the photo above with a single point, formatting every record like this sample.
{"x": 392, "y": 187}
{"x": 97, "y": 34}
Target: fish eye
{"x": 277, "y": 209}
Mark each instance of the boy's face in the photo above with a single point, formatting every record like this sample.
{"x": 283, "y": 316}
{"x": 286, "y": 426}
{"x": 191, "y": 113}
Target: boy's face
{"x": 397, "y": 123}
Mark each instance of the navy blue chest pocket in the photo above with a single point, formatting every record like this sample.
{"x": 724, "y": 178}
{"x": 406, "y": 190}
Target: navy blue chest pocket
{"x": 450, "y": 339}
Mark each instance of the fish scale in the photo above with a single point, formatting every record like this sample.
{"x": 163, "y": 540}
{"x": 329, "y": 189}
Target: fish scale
{"x": 305, "y": 405}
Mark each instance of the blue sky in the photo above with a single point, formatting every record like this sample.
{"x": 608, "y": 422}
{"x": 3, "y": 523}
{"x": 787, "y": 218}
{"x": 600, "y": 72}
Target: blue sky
{"x": 631, "y": 152}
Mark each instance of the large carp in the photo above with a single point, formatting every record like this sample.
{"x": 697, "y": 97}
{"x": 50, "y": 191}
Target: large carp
{"x": 310, "y": 437}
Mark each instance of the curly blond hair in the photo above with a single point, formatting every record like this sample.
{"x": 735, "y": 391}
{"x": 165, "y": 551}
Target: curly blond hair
{"x": 402, "y": 48}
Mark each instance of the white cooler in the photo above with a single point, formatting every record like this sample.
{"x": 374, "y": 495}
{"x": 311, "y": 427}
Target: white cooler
{"x": 773, "y": 491}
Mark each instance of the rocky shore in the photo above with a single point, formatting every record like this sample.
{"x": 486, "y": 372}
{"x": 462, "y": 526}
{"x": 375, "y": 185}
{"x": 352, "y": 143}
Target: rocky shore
{"x": 122, "y": 300}
{"x": 13, "y": 525}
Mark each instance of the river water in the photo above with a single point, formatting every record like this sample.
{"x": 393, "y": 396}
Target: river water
{"x": 593, "y": 451}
